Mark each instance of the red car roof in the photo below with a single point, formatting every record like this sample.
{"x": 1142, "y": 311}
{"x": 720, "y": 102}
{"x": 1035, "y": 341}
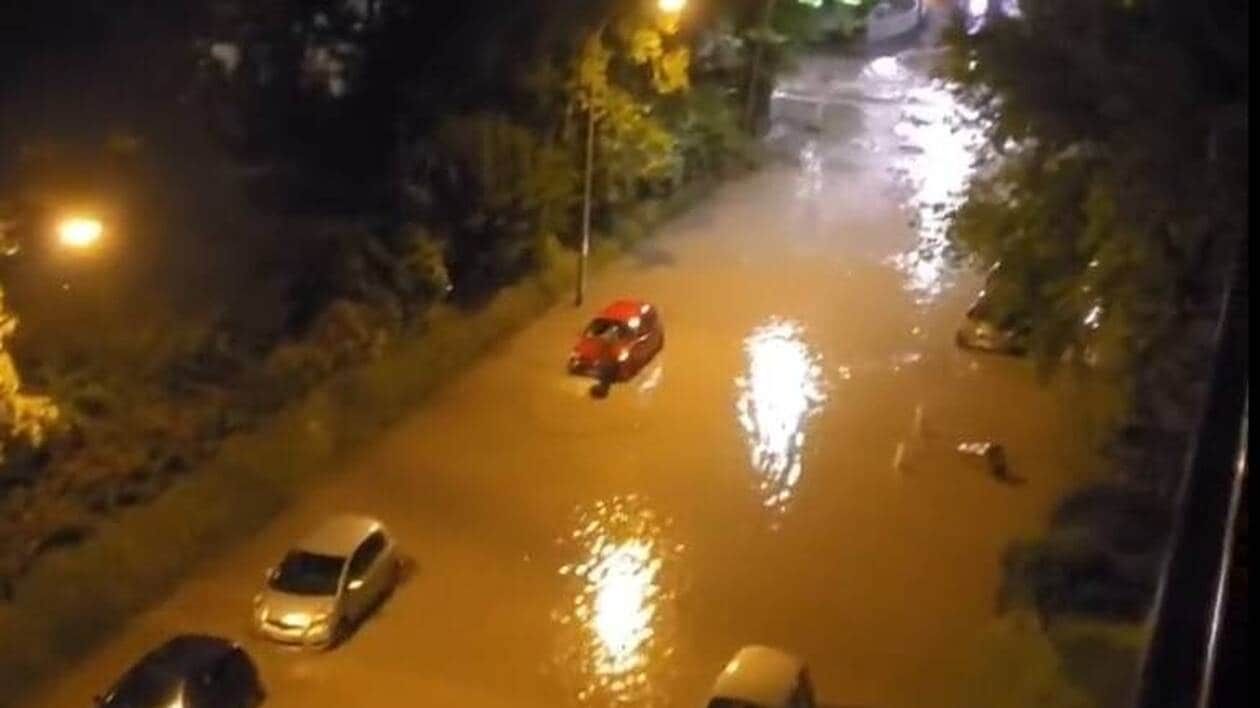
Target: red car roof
{"x": 624, "y": 310}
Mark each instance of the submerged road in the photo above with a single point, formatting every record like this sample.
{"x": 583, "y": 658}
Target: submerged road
{"x": 576, "y": 551}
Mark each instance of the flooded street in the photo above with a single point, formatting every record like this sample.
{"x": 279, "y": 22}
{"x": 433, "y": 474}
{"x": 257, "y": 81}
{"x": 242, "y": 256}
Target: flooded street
{"x": 784, "y": 473}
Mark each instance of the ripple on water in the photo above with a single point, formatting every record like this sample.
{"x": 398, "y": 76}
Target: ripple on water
{"x": 617, "y": 623}
{"x": 781, "y": 389}
{"x": 938, "y": 141}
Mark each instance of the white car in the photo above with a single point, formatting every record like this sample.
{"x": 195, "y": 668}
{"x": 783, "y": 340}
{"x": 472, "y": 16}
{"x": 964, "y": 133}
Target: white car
{"x": 763, "y": 677}
{"x": 327, "y": 583}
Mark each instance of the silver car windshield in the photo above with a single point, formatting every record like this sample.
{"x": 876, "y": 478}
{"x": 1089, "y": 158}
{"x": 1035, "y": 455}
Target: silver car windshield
{"x": 303, "y": 573}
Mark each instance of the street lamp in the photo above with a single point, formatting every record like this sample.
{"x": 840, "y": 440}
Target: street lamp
{"x": 668, "y": 8}
{"x": 79, "y": 232}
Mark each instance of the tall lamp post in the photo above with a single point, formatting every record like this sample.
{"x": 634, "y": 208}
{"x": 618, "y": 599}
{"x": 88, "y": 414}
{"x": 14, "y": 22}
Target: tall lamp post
{"x": 667, "y": 8}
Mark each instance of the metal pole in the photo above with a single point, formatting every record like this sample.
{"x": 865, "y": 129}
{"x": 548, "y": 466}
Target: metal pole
{"x": 585, "y": 249}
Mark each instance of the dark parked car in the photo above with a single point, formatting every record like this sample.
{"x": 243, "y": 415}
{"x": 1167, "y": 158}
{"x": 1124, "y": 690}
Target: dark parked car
{"x": 619, "y": 342}
{"x": 984, "y": 331}
{"x": 189, "y": 671}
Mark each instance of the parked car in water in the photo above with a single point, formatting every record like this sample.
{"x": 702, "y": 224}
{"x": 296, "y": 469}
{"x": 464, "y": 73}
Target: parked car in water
{"x": 984, "y": 331}
{"x": 763, "y": 677}
{"x": 618, "y": 342}
{"x": 189, "y": 671}
{"x": 329, "y": 582}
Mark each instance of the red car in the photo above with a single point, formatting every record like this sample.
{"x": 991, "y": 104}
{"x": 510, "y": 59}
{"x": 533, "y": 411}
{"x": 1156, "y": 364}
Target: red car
{"x": 618, "y": 342}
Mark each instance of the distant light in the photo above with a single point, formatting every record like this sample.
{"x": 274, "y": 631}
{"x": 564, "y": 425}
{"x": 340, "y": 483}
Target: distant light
{"x": 671, "y": 7}
{"x": 1093, "y": 318}
{"x": 79, "y": 232}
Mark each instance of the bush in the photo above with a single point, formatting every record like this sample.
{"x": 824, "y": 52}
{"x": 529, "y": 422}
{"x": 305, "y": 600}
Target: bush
{"x": 1099, "y": 559}
{"x": 1075, "y": 664}
{"x": 1101, "y": 657}
{"x": 1015, "y": 666}
{"x": 348, "y": 331}
{"x": 291, "y": 369}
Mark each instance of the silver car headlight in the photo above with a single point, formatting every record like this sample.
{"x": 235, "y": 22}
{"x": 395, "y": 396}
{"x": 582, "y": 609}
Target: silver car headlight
{"x": 319, "y": 624}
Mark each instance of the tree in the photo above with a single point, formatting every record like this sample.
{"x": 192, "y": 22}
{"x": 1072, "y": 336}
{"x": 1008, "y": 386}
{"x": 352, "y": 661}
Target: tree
{"x": 23, "y": 417}
{"x": 619, "y": 84}
{"x": 1114, "y": 197}
{"x": 1115, "y": 189}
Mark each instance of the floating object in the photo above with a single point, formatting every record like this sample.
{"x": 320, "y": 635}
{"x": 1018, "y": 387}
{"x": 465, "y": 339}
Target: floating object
{"x": 916, "y": 427}
{"x": 899, "y": 458}
{"x": 994, "y": 454}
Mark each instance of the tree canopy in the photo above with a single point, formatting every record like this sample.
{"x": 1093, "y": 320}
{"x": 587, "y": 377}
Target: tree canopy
{"x": 1114, "y": 192}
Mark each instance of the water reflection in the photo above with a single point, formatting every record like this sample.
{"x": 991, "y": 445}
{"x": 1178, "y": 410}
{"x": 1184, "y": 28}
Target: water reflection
{"x": 617, "y": 640}
{"x": 782, "y": 389}
{"x": 979, "y": 13}
{"x": 883, "y": 79}
{"x": 939, "y": 140}
{"x": 811, "y": 178}
{"x": 651, "y": 379}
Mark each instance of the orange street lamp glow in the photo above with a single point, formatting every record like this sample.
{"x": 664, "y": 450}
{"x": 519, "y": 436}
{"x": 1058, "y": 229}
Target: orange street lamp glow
{"x": 671, "y": 7}
{"x": 79, "y": 232}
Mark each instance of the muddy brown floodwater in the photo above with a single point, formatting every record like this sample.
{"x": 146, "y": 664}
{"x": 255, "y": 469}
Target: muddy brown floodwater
{"x": 577, "y": 551}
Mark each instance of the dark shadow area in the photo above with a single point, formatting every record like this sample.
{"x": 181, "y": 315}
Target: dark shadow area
{"x": 651, "y": 257}
{"x": 1011, "y": 480}
{"x": 600, "y": 389}
{"x": 408, "y": 567}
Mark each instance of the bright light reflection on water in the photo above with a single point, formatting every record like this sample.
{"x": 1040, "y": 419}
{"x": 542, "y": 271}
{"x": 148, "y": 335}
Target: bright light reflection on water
{"x": 782, "y": 388}
{"x": 811, "y": 179}
{"x": 615, "y": 644}
{"x": 938, "y": 141}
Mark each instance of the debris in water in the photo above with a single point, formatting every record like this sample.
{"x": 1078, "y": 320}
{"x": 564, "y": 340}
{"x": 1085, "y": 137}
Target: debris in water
{"x": 994, "y": 455}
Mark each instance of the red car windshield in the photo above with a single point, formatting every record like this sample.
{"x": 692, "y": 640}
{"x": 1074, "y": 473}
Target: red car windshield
{"x": 607, "y": 330}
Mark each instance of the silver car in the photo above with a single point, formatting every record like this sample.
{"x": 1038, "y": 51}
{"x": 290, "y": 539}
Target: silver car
{"x": 327, "y": 583}
{"x": 982, "y": 332}
{"x": 763, "y": 677}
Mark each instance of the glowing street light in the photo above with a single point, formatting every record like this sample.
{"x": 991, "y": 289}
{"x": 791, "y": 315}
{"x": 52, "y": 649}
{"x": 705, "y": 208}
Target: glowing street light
{"x": 79, "y": 232}
{"x": 671, "y": 7}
